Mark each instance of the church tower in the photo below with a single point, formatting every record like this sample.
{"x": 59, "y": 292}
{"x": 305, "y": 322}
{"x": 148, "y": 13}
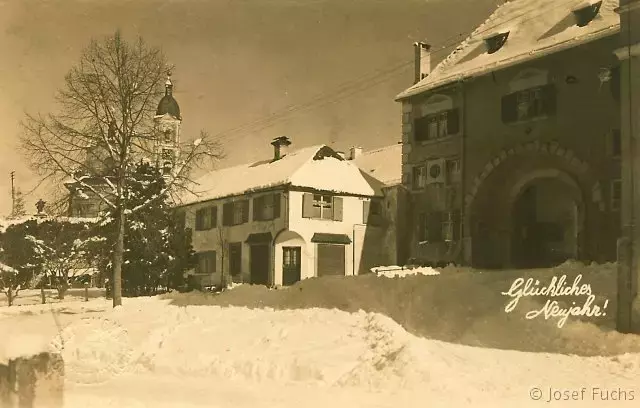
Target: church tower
{"x": 167, "y": 127}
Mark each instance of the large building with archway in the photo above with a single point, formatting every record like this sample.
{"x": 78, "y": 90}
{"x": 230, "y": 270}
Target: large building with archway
{"x": 511, "y": 144}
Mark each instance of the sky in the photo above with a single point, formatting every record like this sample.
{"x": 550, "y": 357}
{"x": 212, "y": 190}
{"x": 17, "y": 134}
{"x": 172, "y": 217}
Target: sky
{"x": 317, "y": 71}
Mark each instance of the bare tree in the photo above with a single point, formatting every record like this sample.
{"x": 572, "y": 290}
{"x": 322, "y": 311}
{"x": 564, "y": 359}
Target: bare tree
{"x": 104, "y": 125}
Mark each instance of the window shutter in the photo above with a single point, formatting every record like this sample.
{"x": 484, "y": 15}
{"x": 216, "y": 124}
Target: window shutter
{"x": 549, "y": 99}
{"x": 258, "y": 203}
{"x": 422, "y": 227}
{"x": 434, "y": 227}
{"x": 366, "y": 208}
{"x": 307, "y": 205}
{"x": 245, "y": 210}
{"x": 455, "y": 216}
{"x": 337, "y": 208}
{"x": 199, "y": 220}
{"x": 509, "y": 108}
{"x": 453, "y": 121}
{"x": 214, "y": 216}
{"x": 276, "y": 205}
{"x": 227, "y": 214}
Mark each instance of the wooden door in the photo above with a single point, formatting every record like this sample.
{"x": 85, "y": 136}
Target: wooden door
{"x": 290, "y": 265}
{"x": 260, "y": 260}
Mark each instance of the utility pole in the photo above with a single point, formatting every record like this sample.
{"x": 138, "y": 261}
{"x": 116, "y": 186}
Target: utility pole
{"x": 13, "y": 193}
{"x": 628, "y": 314}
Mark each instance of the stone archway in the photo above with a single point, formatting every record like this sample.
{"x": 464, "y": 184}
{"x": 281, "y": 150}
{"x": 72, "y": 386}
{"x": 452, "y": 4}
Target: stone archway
{"x": 552, "y": 148}
{"x": 547, "y": 216}
{"x": 491, "y": 196}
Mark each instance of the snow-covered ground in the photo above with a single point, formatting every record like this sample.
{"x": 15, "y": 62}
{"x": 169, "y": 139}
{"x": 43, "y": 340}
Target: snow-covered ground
{"x": 151, "y": 352}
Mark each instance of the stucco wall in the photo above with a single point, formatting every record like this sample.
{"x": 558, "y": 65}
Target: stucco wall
{"x": 213, "y": 239}
{"x": 351, "y": 225}
{"x": 586, "y": 112}
{"x": 367, "y": 247}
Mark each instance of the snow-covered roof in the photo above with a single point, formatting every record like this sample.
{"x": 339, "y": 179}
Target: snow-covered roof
{"x": 317, "y": 167}
{"x": 536, "y": 28}
{"x": 6, "y": 223}
{"x": 385, "y": 164}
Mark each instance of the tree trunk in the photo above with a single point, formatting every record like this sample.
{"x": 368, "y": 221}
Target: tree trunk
{"x": 118, "y": 255}
{"x": 10, "y": 295}
{"x": 42, "y": 295}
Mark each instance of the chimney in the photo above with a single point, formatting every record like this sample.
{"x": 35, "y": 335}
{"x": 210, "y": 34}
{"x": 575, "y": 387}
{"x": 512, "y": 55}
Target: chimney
{"x": 355, "y": 152}
{"x": 280, "y": 145}
{"x": 422, "y": 53}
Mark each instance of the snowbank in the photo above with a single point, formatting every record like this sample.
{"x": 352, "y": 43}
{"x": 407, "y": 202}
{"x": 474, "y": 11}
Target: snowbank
{"x": 460, "y": 305}
{"x": 329, "y": 349}
{"x": 403, "y": 271}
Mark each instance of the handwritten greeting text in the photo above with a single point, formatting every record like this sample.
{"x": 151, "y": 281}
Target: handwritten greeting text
{"x": 558, "y": 287}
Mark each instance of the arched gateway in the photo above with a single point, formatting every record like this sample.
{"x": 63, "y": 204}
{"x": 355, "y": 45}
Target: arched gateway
{"x": 528, "y": 208}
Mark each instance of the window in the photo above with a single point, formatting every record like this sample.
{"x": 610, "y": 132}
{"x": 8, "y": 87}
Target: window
{"x": 419, "y": 177}
{"x": 235, "y": 213}
{"x": 453, "y": 170}
{"x": 235, "y": 258}
{"x": 322, "y": 206}
{"x": 616, "y": 195}
{"x": 206, "y": 262}
{"x": 266, "y": 207}
{"x": 585, "y": 15}
{"x": 168, "y": 136}
{"x": 616, "y": 143}
{"x": 167, "y": 154}
{"x": 206, "y": 218}
{"x": 372, "y": 212}
{"x": 496, "y": 42}
{"x": 290, "y": 257}
{"x": 437, "y": 125}
{"x": 529, "y": 104}
{"x": 451, "y": 226}
{"x": 437, "y": 226}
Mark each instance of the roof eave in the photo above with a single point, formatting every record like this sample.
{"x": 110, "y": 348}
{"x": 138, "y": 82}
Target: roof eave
{"x": 278, "y": 186}
{"x": 518, "y": 59}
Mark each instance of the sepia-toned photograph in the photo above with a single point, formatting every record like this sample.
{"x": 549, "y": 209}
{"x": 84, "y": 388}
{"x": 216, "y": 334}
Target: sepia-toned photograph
{"x": 313, "y": 203}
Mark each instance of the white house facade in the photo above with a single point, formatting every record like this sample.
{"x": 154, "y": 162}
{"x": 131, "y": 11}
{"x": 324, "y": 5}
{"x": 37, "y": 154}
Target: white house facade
{"x": 304, "y": 214}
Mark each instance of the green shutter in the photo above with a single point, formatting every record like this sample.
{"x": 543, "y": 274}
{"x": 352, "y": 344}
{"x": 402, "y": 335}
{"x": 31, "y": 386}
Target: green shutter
{"x": 510, "y": 108}
{"x": 337, "y": 208}
{"x": 307, "y": 205}
{"x": 453, "y": 121}
{"x": 434, "y": 227}
{"x": 258, "y": 203}
{"x": 199, "y": 220}
{"x": 456, "y": 224}
{"x": 227, "y": 214}
{"x": 214, "y": 216}
{"x": 245, "y": 210}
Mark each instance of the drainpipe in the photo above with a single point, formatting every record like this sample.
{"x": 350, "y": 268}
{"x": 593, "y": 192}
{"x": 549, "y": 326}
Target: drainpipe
{"x": 463, "y": 166}
{"x": 353, "y": 248}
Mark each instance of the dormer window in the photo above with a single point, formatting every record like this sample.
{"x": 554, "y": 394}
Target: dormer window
{"x": 496, "y": 42}
{"x": 586, "y": 14}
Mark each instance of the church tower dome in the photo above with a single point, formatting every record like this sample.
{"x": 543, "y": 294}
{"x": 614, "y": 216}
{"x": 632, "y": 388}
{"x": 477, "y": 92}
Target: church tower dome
{"x": 168, "y": 104}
